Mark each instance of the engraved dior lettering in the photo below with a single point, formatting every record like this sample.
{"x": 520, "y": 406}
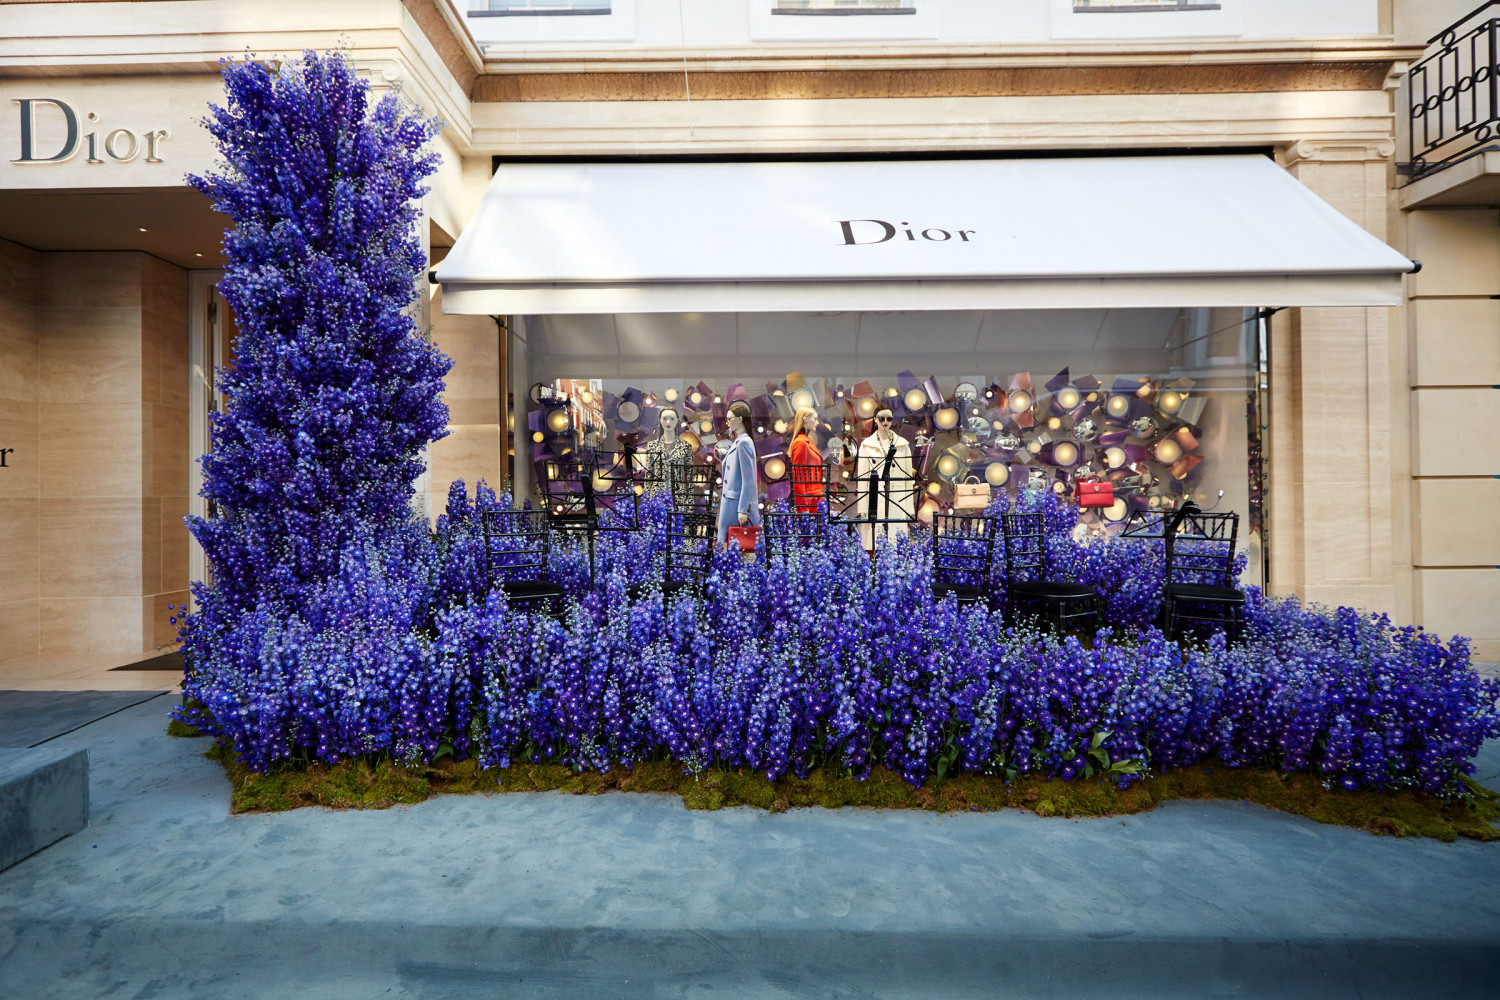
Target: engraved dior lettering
{"x": 888, "y": 230}
{"x": 120, "y": 144}
{"x": 3, "y": 453}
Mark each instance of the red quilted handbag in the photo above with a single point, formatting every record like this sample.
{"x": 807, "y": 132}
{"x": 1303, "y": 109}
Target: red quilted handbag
{"x": 744, "y": 534}
{"x": 1094, "y": 493}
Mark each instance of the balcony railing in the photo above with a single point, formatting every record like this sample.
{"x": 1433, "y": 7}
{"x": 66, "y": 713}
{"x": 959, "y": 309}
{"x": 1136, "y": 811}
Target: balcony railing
{"x": 1452, "y": 97}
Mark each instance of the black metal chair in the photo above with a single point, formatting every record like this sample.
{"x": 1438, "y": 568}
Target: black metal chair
{"x": 694, "y": 488}
{"x": 963, "y": 549}
{"x": 1200, "y": 572}
{"x": 1029, "y": 583}
{"x": 785, "y": 531}
{"x": 517, "y": 549}
{"x": 570, "y": 501}
{"x": 617, "y": 497}
{"x": 688, "y": 555}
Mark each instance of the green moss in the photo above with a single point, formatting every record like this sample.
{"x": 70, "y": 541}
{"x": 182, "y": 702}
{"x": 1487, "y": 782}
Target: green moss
{"x": 359, "y": 784}
{"x": 183, "y": 731}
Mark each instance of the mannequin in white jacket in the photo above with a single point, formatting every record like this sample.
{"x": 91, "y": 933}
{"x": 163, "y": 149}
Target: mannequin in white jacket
{"x": 895, "y": 497}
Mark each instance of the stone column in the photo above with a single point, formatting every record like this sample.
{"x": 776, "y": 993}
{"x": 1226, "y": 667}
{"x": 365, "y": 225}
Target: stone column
{"x": 1330, "y": 455}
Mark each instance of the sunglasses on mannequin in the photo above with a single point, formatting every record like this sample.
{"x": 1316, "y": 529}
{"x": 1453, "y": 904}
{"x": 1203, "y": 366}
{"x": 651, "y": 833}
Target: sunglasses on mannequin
{"x": 883, "y": 420}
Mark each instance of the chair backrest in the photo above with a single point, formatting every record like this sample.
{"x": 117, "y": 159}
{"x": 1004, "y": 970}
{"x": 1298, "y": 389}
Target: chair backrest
{"x": 788, "y": 530}
{"x": 1025, "y": 548}
{"x": 693, "y": 488}
{"x": 963, "y": 546}
{"x": 617, "y": 497}
{"x": 690, "y": 546}
{"x": 568, "y": 490}
{"x": 1201, "y": 548}
{"x": 517, "y": 545}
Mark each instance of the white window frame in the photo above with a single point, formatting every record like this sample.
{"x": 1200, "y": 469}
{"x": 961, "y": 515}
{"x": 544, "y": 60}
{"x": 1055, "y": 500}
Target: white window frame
{"x": 524, "y": 8}
{"x": 842, "y": 7}
{"x": 1143, "y": 6}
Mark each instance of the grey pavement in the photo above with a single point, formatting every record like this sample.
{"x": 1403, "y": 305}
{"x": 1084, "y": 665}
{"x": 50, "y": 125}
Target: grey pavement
{"x": 624, "y": 895}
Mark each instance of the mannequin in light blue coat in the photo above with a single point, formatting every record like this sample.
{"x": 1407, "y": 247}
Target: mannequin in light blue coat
{"x": 739, "y": 498}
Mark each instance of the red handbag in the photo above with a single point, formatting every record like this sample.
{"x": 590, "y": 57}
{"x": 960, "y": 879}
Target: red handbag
{"x": 745, "y": 534}
{"x": 1094, "y": 493}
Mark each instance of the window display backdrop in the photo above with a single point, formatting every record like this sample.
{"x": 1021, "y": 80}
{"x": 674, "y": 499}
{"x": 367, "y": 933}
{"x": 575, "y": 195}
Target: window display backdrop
{"x": 1162, "y": 403}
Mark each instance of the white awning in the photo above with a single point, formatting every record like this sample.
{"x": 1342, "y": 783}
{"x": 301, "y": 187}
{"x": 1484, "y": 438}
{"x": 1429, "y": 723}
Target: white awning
{"x": 1107, "y": 232}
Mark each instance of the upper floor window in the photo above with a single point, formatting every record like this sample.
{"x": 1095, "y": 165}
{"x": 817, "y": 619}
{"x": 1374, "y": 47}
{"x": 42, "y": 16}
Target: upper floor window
{"x": 509, "y": 8}
{"x": 843, "y": 7}
{"x": 1126, "y": 6}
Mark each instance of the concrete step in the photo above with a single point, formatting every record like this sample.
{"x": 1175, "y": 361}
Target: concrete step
{"x": 44, "y": 797}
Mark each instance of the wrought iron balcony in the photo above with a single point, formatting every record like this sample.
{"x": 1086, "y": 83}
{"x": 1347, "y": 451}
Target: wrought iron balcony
{"x": 1452, "y": 97}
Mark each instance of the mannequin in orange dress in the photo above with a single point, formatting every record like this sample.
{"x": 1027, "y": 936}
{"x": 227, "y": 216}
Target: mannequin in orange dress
{"x": 806, "y": 462}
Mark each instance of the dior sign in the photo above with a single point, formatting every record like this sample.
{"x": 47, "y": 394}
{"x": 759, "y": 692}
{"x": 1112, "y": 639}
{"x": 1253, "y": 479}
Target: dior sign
{"x": 3, "y": 453}
{"x": 119, "y": 144}
{"x": 880, "y": 231}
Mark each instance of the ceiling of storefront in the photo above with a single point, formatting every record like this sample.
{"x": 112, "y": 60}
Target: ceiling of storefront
{"x": 175, "y": 224}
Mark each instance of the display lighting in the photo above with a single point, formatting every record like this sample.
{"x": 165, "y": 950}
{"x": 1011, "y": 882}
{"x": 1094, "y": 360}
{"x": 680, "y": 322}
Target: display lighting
{"x": 865, "y": 407}
{"x": 718, "y": 400}
{"x": 779, "y": 426}
{"x": 1169, "y": 402}
{"x": 998, "y": 426}
{"x": 1144, "y": 392}
{"x": 1054, "y": 424}
{"x": 997, "y": 473}
{"x": 916, "y": 399}
{"x": 1019, "y": 402}
{"x": 705, "y": 425}
{"x": 695, "y": 399}
{"x": 670, "y": 395}
{"x": 1168, "y": 451}
{"x": 946, "y": 418}
{"x": 1117, "y": 510}
{"x": 775, "y": 467}
{"x": 1115, "y": 457}
{"x": 628, "y": 412}
{"x": 558, "y": 422}
{"x": 1117, "y": 406}
{"x": 892, "y": 392}
{"x": 602, "y": 483}
{"x": 1069, "y": 397}
{"x": 934, "y": 488}
{"x": 804, "y": 398}
{"x": 538, "y": 437}
{"x": 1034, "y": 447}
{"x": 947, "y": 466}
{"x": 1065, "y": 454}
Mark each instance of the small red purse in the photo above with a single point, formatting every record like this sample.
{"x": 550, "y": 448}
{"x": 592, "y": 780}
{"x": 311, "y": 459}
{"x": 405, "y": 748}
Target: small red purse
{"x": 745, "y": 534}
{"x": 1094, "y": 493}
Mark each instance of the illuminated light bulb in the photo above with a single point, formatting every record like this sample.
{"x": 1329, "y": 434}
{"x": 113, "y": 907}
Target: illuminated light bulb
{"x": 1093, "y": 397}
{"x": 671, "y": 395}
{"x": 1068, "y": 397}
{"x": 1065, "y": 453}
{"x": 998, "y": 426}
{"x": 803, "y": 398}
{"x": 779, "y": 427}
{"x": 1020, "y": 401}
{"x": 893, "y": 393}
{"x": 1144, "y": 392}
{"x": 934, "y": 488}
{"x": 558, "y": 421}
{"x": 718, "y": 399}
{"x": 1034, "y": 447}
{"x": 846, "y": 474}
{"x": 775, "y": 467}
{"x": 946, "y": 418}
{"x": 1155, "y": 502}
{"x": 705, "y": 425}
{"x": 947, "y": 466}
{"x": 1117, "y": 510}
{"x": 1169, "y": 402}
{"x": 778, "y": 392}
{"x": 1117, "y": 406}
{"x": 1059, "y": 487}
{"x": 696, "y": 399}
{"x": 586, "y": 395}
{"x": 760, "y": 430}
{"x": 989, "y": 394}
{"x": 1168, "y": 451}
{"x": 916, "y": 399}
{"x": 997, "y": 474}
{"x": 1115, "y": 457}
{"x": 865, "y": 407}
{"x": 1054, "y": 423}
{"x": 640, "y": 490}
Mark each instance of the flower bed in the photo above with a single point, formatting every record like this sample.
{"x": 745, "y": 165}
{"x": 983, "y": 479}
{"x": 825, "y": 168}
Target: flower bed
{"x": 829, "y": 661}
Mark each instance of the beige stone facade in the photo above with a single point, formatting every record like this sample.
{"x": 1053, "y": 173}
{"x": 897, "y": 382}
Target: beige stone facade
{"x": 1382, "y": 450}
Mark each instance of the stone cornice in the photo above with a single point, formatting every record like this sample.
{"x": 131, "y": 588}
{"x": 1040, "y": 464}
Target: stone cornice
{"x": 1337, "y": 151}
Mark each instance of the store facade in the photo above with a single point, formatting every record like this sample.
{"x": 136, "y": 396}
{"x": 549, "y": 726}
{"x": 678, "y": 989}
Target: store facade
{"x": 1300, "y": 415}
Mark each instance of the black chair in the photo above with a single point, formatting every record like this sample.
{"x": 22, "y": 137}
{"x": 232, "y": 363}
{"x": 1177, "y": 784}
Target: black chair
{"x": 963, "y": 548}
{"x": 517, "y": 549}
{"x": 1028, "y": 581}
{"x": 685, "y": 562}
{"x": 785, "y": 531}
{"x": 1200, "y": 572}
{"x": 569, "y": 500}
{"x": 694, "y": 488}
{"x": 617, "y": 504}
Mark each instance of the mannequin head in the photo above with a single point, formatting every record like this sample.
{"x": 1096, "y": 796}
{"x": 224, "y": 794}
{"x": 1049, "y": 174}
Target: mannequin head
{"x": 885, "y": 421}
{"x": 805, "y": 421}
{"x": 739, "y": 418}
{"x": 670, "y": 418}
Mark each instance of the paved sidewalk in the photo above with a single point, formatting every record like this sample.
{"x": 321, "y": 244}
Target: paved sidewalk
{"x": 552, "y": 895}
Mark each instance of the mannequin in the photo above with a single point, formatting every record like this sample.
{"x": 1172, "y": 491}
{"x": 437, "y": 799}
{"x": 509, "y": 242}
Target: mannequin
{"x": 884, "y": 451}
{"x": 806, "y": 461}
{"x": 665, "y": 452}
{"x": 739, "y": 502}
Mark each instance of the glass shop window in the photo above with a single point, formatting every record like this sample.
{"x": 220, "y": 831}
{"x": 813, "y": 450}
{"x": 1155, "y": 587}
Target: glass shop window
{"x": 1137, "y": 6}
{"x": 1166, "y": 404}
{"x": 843, "y": 7}
{"x": 506, "y": 8}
